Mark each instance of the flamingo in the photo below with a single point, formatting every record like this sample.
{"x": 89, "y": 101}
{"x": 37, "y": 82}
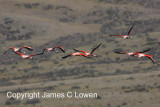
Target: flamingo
{"x": 132, "y": 53}
{"x": 76, "y": 54}
{"x": 27, "y": 56}
{"x": 141, "y": 55}
{"x": 127, "y": 35}
{"x": 51, "y": 49}
{"x": 87, "y": 53}
{"x": 19, "y": 49}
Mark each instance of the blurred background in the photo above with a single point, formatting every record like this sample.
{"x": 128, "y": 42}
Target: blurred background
{"x": 82, "y": 24}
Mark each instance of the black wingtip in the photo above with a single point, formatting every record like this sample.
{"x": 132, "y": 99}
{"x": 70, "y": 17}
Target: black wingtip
{"x": 4, "y": 52}
{"x": 75, "y": 50}
{"x": 62, "y": 50}
{"x": 65, "y": 56}
{"x": 156, "y": 63}
{"x": 116, "y": 52}
{"x": 99, "y": 45}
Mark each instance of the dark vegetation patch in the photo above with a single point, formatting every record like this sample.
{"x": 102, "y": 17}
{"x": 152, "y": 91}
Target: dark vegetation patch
{"x": 11, "y": 31}
{"x": 32, "y": 101}
{"x": 137, "y": 88}
{"x": 11, "y": 101}
{"x": 147, "y": 4}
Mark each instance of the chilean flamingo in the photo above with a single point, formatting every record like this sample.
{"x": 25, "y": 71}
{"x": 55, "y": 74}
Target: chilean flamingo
{"x": 87, "y": 53}
{"x": 76, "y": 54}
{"x": 27, "y": 56}
{"x": 132, "y": 53}
{"x": 127, "y": 35}
{"x": 141, "y": 55}
{"x": 19, "y": 49}
{"x": 53, "y": 49}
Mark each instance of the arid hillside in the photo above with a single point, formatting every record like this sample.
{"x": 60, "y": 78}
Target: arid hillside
{"x": 119, "y": 80}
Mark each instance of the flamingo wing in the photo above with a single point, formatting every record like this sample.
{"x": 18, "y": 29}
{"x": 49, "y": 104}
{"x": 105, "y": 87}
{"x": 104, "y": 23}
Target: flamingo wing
{"x": 130, "y": 29}
{"x": 120, "y": 52}
{"x": 26, "y": 47}
{"x": 96, "y": 48}
{"x": 6, "y": 51}
{"x": 67, "y": 56}
{"x": 157, "y": 64}
{"x": 43, "y": 51}
{"x": 62, "y": 49}
{"x": 117, "y": 35}
{"x": 79, "y": 50}
{"x": 18, "y": 53}
{"x": 37, "y": 54}
{"x": 148, "y": 56}
{"x": 86, "y": 56}
{"x": 144, "y": 51}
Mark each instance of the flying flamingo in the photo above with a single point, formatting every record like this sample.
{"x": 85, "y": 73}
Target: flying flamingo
{"x": 27, "y": 56}
{"x": 132, "y": 53}
{"x": 87, "y": 53}
{"x": 127, "y": 35}
{"x": 141, "y": 55}
{"x": 19, "y": 49}
{"x": 53, "y": 49}
{"x": 76, "y": 54}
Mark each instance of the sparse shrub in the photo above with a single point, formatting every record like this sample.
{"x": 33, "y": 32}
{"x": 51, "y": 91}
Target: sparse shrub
{"x": 75, "y": 87}
{"x": 50, "y": 87}
{"x": 48, "y": 7}
{"x": 11, "y": 101}
{"x": 35, "y": 67}
{"x": 99, "y": 97}
{"x": 35, "y": 4}
{"x": 138, "y": 88}
{"x": 87, "y": 86}
{"x": 130, "y": 78}
{"x": 32, "y": 101}
{"x": 27, "y": 5}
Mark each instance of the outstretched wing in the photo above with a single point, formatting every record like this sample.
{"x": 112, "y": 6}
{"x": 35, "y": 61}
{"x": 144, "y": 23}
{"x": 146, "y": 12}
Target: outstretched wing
{"x": 130, "y": 29}
{"x": 6, "y": 51}
{"x": 87, "y": 56}
{"x": 37, "y": 54}
{"x": 148, "y": 56}
{"x": 62, "y": 49}
{"x": 42, "y": 51}
{"x": 18, "y": 53}
{"x": 96, "y": 48}
{"x": 26, "y": 47}
{"x": 157, "y": 64}
{"x": 144, "y": 51}
{"x": 120, "y": 52}
{"x": 79, "y": 50}
{"x": 117, "y": 35}
{"x": 67, "y": 56}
